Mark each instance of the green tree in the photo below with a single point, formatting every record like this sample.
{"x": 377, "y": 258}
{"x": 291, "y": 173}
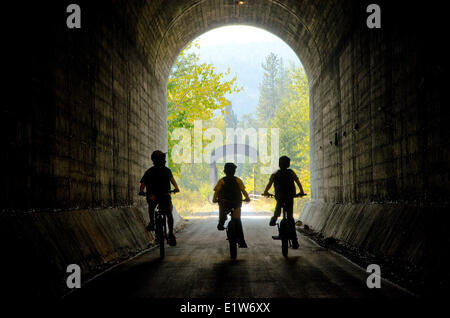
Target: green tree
{"x": 230, "y": 117}
{"x": 195, "y": 91}
{"x": 268, "y": 98}
{"x": 292, "y": 117}
{"x": 247, "y": 121}
{"x": 273, "y": 88}
{"x": 283, "y": 81}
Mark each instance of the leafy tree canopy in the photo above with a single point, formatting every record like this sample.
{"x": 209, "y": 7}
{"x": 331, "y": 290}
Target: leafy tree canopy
{"x": 195, "y": 91}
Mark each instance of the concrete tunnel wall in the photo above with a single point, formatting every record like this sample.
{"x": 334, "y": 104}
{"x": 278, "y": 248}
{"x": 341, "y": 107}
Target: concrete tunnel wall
{"x": 379, "y": 146}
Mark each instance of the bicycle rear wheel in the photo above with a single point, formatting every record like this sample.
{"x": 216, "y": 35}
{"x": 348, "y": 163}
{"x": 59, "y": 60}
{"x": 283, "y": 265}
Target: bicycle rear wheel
{"x": 231, "y": 233}
{"x": 160, "y": 236}
{"x": 284, "y": 231}
{"x": 284, "y": 246}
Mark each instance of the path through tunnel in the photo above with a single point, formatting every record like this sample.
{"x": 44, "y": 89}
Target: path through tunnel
{"x": 379, "y": 144}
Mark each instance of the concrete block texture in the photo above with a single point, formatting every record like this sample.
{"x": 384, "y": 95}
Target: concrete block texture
{"x": 43, "y": 244}
{"x": 98, "y": 108}
{"x": 408, "y": 233}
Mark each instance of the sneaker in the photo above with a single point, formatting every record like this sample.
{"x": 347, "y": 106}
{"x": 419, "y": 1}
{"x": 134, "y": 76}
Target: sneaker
{"x": 273, "y": 221}
{"x": 295, "y": 244}
{"x": 172, "y": 240}
{"x": 242, "y": 244}
{"x": 220, "y": 227}
{"x": 150, "y": 227}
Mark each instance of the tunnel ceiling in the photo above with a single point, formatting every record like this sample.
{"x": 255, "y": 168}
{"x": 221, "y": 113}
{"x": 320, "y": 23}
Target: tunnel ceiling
{"x": 303, "y": 25}
{"x": 99, "y": 95}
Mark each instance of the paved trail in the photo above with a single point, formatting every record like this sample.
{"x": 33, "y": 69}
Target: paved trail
{"x": 199, "y": 266}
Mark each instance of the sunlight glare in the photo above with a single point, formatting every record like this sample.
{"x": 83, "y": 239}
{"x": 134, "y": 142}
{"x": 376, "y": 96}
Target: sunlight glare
{"x": 236, "y": 34}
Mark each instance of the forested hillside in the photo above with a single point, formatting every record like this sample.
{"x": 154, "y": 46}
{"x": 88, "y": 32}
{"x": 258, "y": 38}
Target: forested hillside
{"x": 245, "y": 63}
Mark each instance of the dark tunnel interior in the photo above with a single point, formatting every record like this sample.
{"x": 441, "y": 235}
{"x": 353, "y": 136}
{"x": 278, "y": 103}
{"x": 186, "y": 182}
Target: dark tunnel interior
{"x": 379, "y": 143}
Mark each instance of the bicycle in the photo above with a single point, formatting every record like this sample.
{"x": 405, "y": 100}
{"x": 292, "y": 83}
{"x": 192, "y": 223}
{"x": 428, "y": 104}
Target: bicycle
{"x": 285, "y": 233}
{"x": 231, "y": 231}
{"x": 160, "y": 227}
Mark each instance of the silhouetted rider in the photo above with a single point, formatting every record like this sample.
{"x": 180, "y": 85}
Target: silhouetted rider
{"x": 228, "y": 192}
{"x": 157, "y": 180}
{"x": 284, "y": 182}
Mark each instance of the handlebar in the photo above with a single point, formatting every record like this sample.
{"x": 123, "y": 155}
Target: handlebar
{"x": 225, "y": 200}
{"x": 298, "y": 195}
{"x": 170, "y": 191}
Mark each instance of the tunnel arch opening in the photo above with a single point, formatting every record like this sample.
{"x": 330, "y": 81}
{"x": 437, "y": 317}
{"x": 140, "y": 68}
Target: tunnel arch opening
{"x": 290, "y": 76}
{"x": 297, "y": 24}
{"x": 378, "y": 138}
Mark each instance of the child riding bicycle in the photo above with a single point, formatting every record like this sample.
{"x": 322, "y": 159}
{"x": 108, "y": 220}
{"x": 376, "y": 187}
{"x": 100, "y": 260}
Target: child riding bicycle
{"x": 283, "y": 181}
{"x": 157, "y": 180}
{"x": 228, "y": 192}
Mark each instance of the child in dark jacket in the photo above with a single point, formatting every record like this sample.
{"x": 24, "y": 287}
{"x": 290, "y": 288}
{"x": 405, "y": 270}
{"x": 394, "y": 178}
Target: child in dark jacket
{"x": 284, "y": 181}
{"x": 157, "y": 181}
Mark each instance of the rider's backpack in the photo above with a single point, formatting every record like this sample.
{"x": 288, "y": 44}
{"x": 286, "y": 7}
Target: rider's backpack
{"x": 284, "y": 184}
{"x": 230, "y": 190}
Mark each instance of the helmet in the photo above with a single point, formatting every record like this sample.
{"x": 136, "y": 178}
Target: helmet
{"x": 229, "y": 168}
{"x": 284, "y": 162}
{"x": 158, "y": 156}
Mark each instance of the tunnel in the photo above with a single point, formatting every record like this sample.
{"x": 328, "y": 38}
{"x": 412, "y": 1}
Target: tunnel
{"x": 78, "y": 148}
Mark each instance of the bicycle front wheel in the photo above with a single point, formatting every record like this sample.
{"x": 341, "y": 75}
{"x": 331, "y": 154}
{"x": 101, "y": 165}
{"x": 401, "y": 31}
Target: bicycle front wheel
{"x": 233, "y": 249}
{"x": 162, "y": 250}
